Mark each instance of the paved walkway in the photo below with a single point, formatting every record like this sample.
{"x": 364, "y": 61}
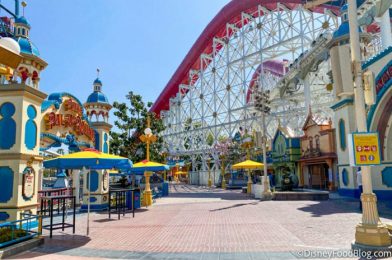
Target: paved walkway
{"x": 201, "y": 223}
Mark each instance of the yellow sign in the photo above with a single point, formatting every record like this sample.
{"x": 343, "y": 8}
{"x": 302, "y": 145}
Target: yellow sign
{"x": 366, "y": 147}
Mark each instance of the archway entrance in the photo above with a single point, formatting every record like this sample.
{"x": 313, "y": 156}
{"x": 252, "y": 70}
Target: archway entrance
{"x": 64, "y": 122}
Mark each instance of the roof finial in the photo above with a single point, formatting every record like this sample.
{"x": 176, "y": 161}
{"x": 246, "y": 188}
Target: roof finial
{"x": 24, "y": 4}
{"x": 97, "y": 72}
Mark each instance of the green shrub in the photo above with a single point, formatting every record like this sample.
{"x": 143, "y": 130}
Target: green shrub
{"x": 6, "y": 234}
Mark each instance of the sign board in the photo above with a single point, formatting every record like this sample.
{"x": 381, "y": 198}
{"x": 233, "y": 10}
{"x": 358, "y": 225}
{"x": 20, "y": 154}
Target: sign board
{"x": 364, "y": 149}
{"x": 69, "y": 117}
{"x": 64, "y": 122}
{"x": 28, "y": 182}
{"x": 105, "y": 179}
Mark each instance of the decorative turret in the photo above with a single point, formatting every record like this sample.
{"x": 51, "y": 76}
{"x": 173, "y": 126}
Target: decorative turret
{"x": 32, "y": 65}
{"x": 98, "y": 108}
{"x": 341, "y": 35}
{"x": 97, "y": 105}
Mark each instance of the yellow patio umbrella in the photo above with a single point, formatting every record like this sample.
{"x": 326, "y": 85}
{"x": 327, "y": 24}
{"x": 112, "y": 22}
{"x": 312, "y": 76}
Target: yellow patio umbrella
{"x": 248, "y": 164}
{"x": 145, "y": 165}
{"x": 181, "y": 172}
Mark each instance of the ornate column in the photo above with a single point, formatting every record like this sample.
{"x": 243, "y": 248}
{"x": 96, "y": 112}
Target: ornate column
{"x": 76, "y": 185}
{"x": 370, "y": 232}
{"x": 20, "y": 127}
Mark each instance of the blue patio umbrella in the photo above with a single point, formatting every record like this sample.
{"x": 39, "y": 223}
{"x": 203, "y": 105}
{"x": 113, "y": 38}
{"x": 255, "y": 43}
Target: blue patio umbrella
{"x": 89, "y": 159}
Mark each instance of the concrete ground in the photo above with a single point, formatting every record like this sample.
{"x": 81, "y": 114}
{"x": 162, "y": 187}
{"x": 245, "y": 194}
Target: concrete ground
{"x": 202, "y": 223}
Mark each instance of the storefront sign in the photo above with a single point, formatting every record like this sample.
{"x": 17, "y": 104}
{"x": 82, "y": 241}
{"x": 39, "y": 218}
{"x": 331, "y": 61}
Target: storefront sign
{"x": 28, "y": 182}
{"x": 364, "y": 149}
{"x": 72, "y": 118}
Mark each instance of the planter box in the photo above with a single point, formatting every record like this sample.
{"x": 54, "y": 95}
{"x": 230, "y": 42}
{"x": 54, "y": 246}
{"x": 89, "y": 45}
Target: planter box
{"x": 20, "y": 247}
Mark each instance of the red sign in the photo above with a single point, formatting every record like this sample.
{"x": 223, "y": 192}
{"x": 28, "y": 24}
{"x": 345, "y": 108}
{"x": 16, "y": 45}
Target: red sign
{"x": 73, "y": 120}
{"x": 383, "y": 79}
{"x": 71, "y": 105}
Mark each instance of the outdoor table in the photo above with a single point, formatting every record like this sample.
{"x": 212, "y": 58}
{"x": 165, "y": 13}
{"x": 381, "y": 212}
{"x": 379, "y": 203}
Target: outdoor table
{"x": 61, "y": 200}
{"x": 121, "y": 196}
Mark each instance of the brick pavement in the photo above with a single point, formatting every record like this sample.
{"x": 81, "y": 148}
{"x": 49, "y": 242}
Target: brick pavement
{"x": 202, "y": 223}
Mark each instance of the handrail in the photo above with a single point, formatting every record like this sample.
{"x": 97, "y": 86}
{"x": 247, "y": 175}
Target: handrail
{"x": 19, "y": 230}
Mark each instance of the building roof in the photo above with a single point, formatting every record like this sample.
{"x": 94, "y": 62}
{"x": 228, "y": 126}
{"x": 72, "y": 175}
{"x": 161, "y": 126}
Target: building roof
{"x": 22, "y": 20}
{"x": 27, "y": 47}
{"x": 344, "y": 28}
{"x": 97, "y": 97}
{"x": 97, "y": 81}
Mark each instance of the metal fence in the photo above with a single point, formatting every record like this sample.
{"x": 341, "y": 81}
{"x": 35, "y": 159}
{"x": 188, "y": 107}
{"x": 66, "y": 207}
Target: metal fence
{"x": 19, "y": 230}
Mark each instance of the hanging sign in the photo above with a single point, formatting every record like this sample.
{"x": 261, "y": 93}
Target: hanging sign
{"x": 364, "y": 149}
{"x": 28, "y": 182}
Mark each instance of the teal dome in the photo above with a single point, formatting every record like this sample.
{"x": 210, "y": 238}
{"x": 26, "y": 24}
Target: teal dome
{"x": 27, "y": 47}
{"x": 344, "y": 28}
{"x": 97, "y": 81}
{"x": 22, "y": 20}
{"x": 97, "y": 97}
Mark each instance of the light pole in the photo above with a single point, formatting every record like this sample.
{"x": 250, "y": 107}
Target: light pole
{"x": 148, "y": 138}
{"x": 262, "y": 101}
{"x": 209, "y": 173}
{"x": 370, "y": 231}
{"x": 164, "y": 155}
{"x": 247, "y": 143}
{"x": 222, "y": 158}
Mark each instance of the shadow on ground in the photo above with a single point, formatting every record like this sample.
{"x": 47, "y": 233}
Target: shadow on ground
{"x": 211, "y": 195}
{"x": 329, "y": 207}
{"x": 57, "y": 244}
{"x": 188, "y": 191}
{"x": 235, "y": 206}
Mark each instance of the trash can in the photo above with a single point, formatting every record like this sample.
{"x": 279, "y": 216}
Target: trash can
{"x": 165, "y": 189}
{"x": 136, "y": 199}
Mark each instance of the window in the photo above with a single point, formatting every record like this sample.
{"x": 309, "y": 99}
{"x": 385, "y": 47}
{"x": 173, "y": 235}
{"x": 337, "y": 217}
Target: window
{"x": 311, "y": 143}
{"x": 345, "y": 177}
{"x": 317, "y": 142}
{"x": 342, "y": 134}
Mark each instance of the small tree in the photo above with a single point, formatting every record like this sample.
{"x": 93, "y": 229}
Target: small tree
{"x": 131, "y": 122}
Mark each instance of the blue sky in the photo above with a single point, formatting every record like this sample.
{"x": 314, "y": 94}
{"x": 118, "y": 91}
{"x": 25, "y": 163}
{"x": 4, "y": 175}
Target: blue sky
{"x": 136, "y": 44}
